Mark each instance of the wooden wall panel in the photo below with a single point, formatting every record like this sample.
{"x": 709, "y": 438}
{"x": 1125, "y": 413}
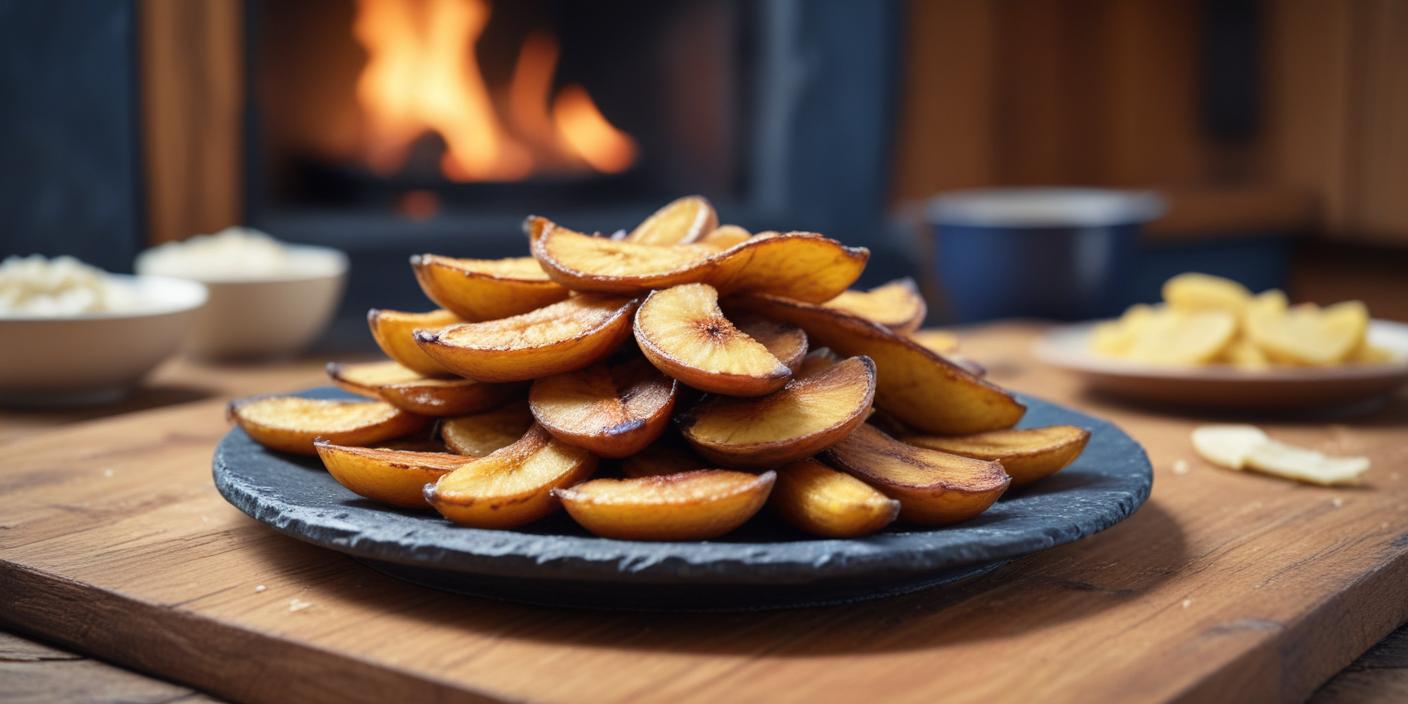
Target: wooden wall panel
{"x": 1307, "y": 100}
{"x": 948, "y": 115}
{"x": 1106, "y": 92}
{"x": 1378, "y": 127}
{"x": 192, "y": 99}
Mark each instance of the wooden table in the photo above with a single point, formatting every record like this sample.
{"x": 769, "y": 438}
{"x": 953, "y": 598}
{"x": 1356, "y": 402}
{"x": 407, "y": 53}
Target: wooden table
{"x": 114, "y": 543}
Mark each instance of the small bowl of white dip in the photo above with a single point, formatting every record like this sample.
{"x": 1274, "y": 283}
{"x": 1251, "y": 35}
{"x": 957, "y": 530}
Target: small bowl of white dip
{"x": 268, "y": 299}
{"x": 73, "y": 334}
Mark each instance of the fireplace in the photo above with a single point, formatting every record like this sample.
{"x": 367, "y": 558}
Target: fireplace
{"x": 390, "y": 127}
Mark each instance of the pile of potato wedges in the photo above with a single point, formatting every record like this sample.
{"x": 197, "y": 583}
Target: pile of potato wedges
{"x": 667, "y": 383}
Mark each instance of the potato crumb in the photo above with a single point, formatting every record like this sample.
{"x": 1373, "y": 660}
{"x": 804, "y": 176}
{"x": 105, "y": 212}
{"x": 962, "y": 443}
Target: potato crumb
{"x": 108, "y": 472}
{"x": 1187, "y": 602}
{"x": 296, "y": 604}
{"x": 1180, "y": 467}
{"x": 259, "y": 588}
{"x": 1337, "y": 502}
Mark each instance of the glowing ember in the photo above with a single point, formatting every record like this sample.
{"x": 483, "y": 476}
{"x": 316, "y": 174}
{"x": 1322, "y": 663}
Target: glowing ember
{"x": 422, "y": 76}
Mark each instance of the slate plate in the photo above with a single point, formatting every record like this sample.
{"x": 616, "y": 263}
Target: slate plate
{"x": 763, "y": 565}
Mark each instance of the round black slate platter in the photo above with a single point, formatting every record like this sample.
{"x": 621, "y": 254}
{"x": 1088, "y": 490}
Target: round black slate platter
{"x": 762, "y": 565}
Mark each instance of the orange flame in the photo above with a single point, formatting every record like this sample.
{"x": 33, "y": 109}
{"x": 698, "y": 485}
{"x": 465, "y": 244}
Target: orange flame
{"x": 422, "y": 75}
{"x": 582, "y": 126}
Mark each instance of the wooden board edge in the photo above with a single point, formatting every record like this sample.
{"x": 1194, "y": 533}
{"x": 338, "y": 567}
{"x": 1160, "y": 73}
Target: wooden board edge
{"x": 214, "y": 657}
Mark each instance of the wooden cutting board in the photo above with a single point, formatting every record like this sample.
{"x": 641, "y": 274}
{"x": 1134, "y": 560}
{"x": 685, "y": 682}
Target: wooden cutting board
{"x": 1245, "y": 588}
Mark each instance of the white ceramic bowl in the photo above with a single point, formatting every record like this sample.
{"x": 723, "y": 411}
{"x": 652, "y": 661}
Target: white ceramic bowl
{"x": 95, "y": 357}
{"x": 268, "y": 317}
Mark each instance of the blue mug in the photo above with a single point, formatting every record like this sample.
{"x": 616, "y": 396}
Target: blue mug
{"x": 1062, "y": 253}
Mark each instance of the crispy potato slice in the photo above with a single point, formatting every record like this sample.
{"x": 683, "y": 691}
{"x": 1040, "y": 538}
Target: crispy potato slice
{"x": 365, "y": 379}
{"x": 689, "y": 506}
{"x": 1179, "y": 337}
{"x": 819, "y": 500}
{"x": 936, "y": 340}
{"x": 1026, "y": 455}
{"x": 412, "y": 392}
{"x": 394, "y": 331}
{"x": 682, "y": 221}
{"x": 611, "y": 410}
{"x": 485, "y": 289}
{"x": 1227, "y": 445}
{"x": 809, "y": 414}
{"x": 804, "y": 266}
{"x": 394, "y": 477}
{"x": 479, "y": 434}
{"x": 916, "y": 385}
{"x": 1306, "y": 334}
{"x": 292, "y": 423}
{"x": 725, "y": 236}
{"x": 511, "y": 486}
{"x": 786, "y": 342}
{"x": 897, "y": 305}
{"x": 933, "y": 487}
{"x": 684, "y": 333}
{"x": 817, "y": 360}
{"x": 558, "y": 338}
{"x": 667, "y": 455}
{"x": 1305, "y": 465}
{"x": 1194, "y": 292}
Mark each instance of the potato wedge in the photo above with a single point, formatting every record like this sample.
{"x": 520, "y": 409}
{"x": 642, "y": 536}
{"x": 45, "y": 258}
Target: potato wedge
{"x": 804, "y": 266}
{"x": 393, "y": 477}
{"x": 1306, "y": 334}
{"x": 479, "y": 434}
{"x": 1180, "y": 337}
{"x": 1026, "y": 455}
{"x": 933, "y": 487}
{"x": 292, "y": 423}
{"x": 485, "y": 289}
{"x": 364, "y": 379}
{"x": 682, "y": 331}
{"x": 819, "y": 500}
{"x": 725, "y": 236}
{"x": 667, "y": 455}
{"x": 412, "y": 392}
{"x": 809, "y": 414}
{"x": 612, "y": 410}
{"x": 1194, "y": 292}
{"x": 897, "y": 305}
{"x": 935, "y": 340}
{"x": 558, "y": 338}
{"x": 682, "y": 221}
{"x": 394, "y": 332}
{"x": 914, "y": 384}
{"x": 511, "y": 486}
{"x": 786, "y": 342}
{"x": 689, "y": 506}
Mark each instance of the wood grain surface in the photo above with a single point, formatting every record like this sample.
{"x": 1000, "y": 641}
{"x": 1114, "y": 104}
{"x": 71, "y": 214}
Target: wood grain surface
{"x": 114, "y": 542}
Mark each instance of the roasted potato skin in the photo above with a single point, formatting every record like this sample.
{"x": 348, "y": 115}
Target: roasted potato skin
{"x": 914, "y": 384}
{"x": 392, "y": 477}
{"x": 392, "y": 423}
{"x": 822, "y": 501}
{"x": 685, "y": 515}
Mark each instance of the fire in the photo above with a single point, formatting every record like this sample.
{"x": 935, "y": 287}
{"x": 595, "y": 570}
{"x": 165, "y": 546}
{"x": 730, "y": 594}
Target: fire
{"x": 422, "y": 76}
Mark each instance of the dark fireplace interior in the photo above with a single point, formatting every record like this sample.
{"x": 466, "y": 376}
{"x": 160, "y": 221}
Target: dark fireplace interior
{"x": 386, "y": 127}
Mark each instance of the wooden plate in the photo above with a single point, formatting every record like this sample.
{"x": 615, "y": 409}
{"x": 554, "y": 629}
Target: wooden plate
{"x": 1221, "y": 386}
{"x": 762, "y": 565}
